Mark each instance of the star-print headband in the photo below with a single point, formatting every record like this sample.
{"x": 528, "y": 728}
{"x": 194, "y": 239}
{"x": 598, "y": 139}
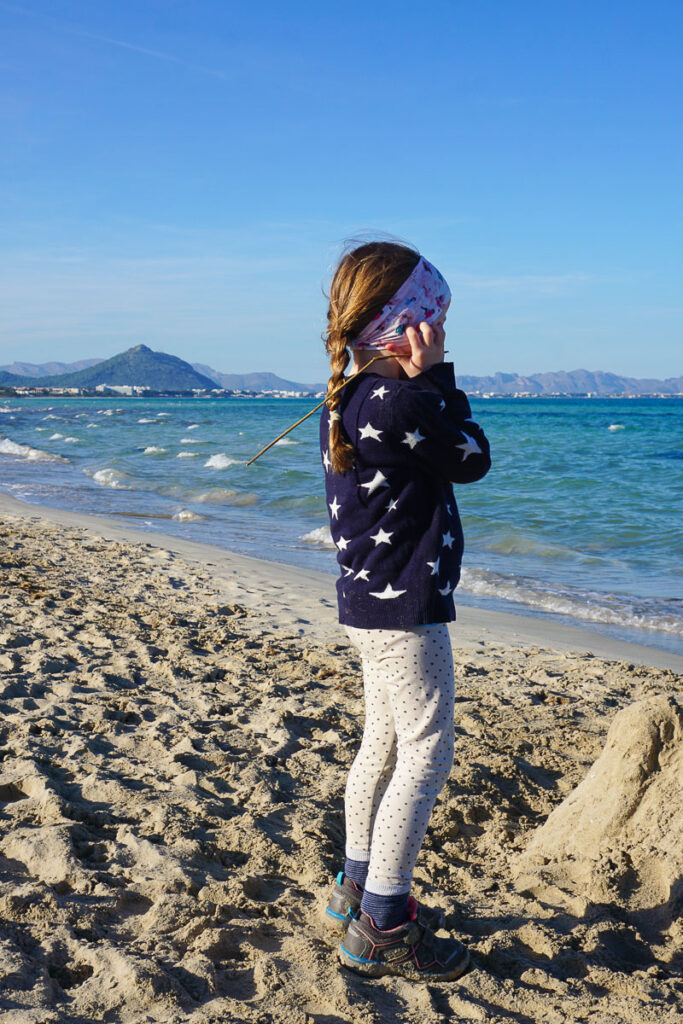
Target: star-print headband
{"x": 422, "y": 296}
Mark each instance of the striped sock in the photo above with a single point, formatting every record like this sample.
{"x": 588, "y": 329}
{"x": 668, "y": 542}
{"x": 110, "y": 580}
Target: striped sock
{"x": 356, "y": 870}
{"x": 386, "y": 911}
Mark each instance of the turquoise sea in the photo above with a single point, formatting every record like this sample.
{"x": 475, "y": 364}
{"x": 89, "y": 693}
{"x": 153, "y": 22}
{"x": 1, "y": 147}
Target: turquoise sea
{"x": 579, "y": 518}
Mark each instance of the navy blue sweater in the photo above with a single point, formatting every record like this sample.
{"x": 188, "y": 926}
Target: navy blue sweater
{"x": 393, "y": 516}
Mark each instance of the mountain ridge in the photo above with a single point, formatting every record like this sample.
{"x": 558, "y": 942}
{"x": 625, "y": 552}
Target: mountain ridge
{"x": 164, "y": 372}
{"x": 137, "y": 366}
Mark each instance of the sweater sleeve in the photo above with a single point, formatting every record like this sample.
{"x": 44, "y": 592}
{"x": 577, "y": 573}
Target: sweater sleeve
{"x": 432, "y": 421}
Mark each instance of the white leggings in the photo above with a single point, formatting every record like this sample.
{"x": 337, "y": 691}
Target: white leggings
{"x": 406, "y": 753}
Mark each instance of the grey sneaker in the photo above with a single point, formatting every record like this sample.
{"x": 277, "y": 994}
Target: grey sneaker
{"x": 412, "y": 949}
{"x": 345, "y": 899}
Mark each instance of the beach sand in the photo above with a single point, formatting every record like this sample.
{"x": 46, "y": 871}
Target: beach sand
{"x": 177, "y": 726}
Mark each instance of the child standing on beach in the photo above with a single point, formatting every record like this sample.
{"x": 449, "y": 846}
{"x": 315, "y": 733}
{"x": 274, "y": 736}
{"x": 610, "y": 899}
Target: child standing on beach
{"x": 393, "y": 440}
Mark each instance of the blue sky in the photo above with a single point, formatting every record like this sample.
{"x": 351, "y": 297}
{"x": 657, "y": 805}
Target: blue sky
{"x": 183, "y": 174}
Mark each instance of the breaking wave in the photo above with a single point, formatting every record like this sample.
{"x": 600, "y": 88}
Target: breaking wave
{"x": 24, "y": 451}
{"x": 110, "y": 478}
{"x": 187, "y": 516}
{"x": 221, "y": 461}
{"x": 590, "y": 606}
{"x": 320, "y": 538}
{"x": 225, "y": 496}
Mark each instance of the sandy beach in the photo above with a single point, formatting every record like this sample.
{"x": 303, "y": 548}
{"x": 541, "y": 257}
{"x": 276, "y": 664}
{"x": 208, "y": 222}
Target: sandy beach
{"x": 177, "y": 726}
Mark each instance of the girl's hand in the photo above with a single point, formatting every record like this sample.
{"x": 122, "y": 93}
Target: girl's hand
{"x": 421, "y": 349}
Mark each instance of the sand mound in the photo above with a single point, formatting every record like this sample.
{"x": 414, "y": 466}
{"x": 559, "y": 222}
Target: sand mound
{"x": 618, "y": 837}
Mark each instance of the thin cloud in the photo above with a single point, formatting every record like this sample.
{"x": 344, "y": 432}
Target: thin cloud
{"x": 75, "y": 30}
{"x": 149, "y": 53}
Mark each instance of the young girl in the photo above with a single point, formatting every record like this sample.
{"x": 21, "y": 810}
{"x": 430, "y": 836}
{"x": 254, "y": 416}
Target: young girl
{"x": 393, "y": 440}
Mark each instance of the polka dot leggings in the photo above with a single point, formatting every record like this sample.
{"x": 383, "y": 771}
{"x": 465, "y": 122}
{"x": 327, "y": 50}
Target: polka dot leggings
{"x": 406, "y": 753}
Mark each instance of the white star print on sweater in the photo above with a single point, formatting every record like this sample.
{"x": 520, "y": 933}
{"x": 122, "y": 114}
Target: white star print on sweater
{"x": 412, "y": 439}
{"x": 381, "y": 537}
{"x": 387, "y": 593}
{"x": 369, "y": 431}
{"x": 470, "y": 447}
{"x": 378, "y": 480}
{"x": 393, "y": 515}
{"x": 334, "y": 509}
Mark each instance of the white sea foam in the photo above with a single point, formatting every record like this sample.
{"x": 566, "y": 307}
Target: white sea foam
{"x": 221, "y": 461}
{"x": 4, "y": 408}
{"x": 55, "y": 437}
{"x": 92, "y": 426}
{"x": 24, "y": 451}
{"x": 110, "y": 478}
{"x": 193, "y": 426}
{"x": 320, "y": 538}
{"x": 616, "y": 426}
{"x": 160, "y": 414}
{"x": 145, "y": 420}
{"x": 153, "y": 450}
{"x": 191, "y": 440}
{"x": 591, "y": 606}
{"x": 41, "y": 429}
{"x": 225, "y": 496}
{"x": 187, "y": 455}
{"x": 285, "y": 441}
{"x": 187, "y": 516}
{"x": 50, "y": 416}
{"x": 71, "y": 440}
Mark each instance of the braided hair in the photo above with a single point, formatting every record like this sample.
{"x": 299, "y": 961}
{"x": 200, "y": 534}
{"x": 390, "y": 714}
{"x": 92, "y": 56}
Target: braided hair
{"x": 365, "y": 279}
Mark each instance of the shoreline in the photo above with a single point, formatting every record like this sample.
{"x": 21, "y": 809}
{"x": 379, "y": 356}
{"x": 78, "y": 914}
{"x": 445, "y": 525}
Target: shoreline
{"x": 312, "y": 593}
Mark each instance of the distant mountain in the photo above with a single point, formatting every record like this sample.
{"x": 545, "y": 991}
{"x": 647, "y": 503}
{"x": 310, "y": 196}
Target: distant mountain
{"x": 573, "y": 382}
{"x": 139, "y": 366}
{"x": 576, "y": 382}
{"x": 10, "y": 380}
{"x": 254, "y": 381}
{"x": 47, "y": 369}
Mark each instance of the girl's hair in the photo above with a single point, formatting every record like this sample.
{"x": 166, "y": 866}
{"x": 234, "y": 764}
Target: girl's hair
{"x": 365, "y": 279}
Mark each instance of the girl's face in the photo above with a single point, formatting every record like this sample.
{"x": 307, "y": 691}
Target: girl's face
{"x": 439, "y": 325}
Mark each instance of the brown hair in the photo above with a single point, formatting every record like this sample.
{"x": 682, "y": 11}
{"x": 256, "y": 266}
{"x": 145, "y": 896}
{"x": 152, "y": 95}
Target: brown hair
{"x": 365, "y": 279}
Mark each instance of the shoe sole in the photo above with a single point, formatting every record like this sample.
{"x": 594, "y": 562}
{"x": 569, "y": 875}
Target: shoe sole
{"x": 376, "y": 969}
{"x": 334, "y": 922}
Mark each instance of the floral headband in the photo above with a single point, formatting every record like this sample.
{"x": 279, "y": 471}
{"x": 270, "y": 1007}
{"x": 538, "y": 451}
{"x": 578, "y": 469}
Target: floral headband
{"x": 422, "y": 296}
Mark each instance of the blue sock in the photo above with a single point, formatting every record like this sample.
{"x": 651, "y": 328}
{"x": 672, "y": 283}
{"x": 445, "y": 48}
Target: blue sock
{"x": 386, "y": 911}
{"x": 356, "y": 870}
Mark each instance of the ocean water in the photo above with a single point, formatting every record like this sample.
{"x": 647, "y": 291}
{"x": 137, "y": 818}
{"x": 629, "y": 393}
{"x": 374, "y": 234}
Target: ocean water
{"x": 579, "y": 518}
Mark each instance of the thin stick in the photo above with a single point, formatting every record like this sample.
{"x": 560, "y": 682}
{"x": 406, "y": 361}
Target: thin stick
{"x": 342, "y": 385}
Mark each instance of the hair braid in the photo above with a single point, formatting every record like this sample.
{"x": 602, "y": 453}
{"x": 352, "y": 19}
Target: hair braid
{"x": 365, "y": 279}
{"x": 341, "y": 451}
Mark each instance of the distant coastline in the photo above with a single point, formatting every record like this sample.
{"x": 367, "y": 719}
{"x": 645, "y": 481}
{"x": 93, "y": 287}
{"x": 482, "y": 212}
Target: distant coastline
{"x": 219, "y": 393}
{"x": 140, "y": 372}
